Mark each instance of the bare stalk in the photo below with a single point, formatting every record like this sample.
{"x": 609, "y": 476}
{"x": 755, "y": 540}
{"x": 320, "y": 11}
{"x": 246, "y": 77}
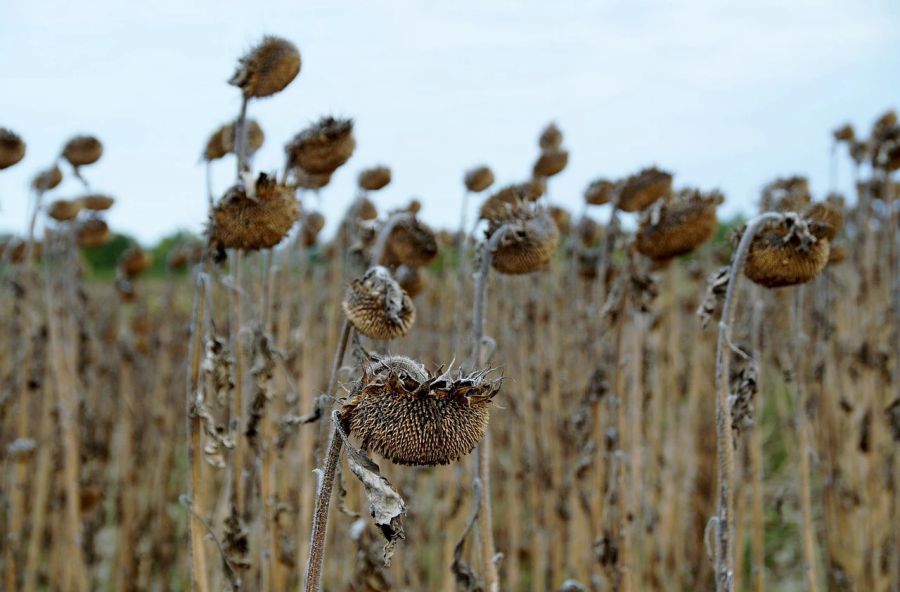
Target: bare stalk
{"x": 724, "y": 547}
{"x": 326, "y": 480}
{"x": 240, "y": 138}
{"x": 485, "y": 519}
{"x": 195, "y": 444}
{"x": 237, "y": 413}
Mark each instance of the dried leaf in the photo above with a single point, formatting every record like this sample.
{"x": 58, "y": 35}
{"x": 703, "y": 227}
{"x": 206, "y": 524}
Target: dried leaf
{"x": 386, "y": 506}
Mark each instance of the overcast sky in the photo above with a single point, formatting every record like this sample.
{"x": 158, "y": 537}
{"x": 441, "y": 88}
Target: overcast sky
{"x": 724, "y": 94}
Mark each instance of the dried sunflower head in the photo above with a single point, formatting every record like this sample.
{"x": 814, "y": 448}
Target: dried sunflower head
{"x": 312, "y": 224}
{"x": 671, "y": 228}
{"x": 92, "y": 232}
{"x": 12, "y": 249}
{"x": 887, "y": 120}
{"x": 788, "y": 194}
{"x": 826, "y": 215}
{"x": 374, "y": 178}
{"x": 551, "y": 162}
{"x": 497, "y": 204}
{"x": 255, "y": 137}
{"x": 267, "y": 68}
{"x": 529, "y": 241}
{"x": 589, "y": 231}
{"x": 410, "y": 416}
{"x": 562, "y": 218}
{"x": 411, "y": 279}
{"x": 48, "y": 179}
{"x": 643, "y": 188}
{"x": 133, "y": 262}
{"x": 551, "y": 138}
{"x": 63, "y": 210}
{"x": 12, "y": 148}
{"x": 787, "y": 253}
{"x": 599, "y": 192}
{"x": 96, "y": 202}
{"x": 411, "y": 242}
{"x": 323, "y": 147}
{"x": 82, "y": 150}
{"x": 377, "y": 306}
{"x": 845, "y": 133}
{"x": 253, "y": 222}
{"x": 300, "y": 179}
{"x": 479, "y": 179}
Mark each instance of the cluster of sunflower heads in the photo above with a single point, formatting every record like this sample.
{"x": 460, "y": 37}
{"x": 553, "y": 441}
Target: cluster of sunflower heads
{"x": 679, "y": 225}
{"x": 793, "y": 250}
{"x": 529, "y": 240}
{"x": 411, "y": 416}
{"x": 254, "y": 218}
{"x": 377, "y": 306}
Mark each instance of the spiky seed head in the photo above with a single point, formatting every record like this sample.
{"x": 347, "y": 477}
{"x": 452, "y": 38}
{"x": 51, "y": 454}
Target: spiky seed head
{"x": 562, "y": 218}
{"x": 787, "y": 253}
{"x": 479, "y": 179}
{"x": 672, "y": 228}
{"x": 312, "y": 224}
{"x": 12, "y": 148}
{"x": 826, "y": 215}
{"x": 92, "y": 232}
{"x": 253, "y": 222}
{"x": 551, "y": 138}
{"x": 48, "y": 179}
{"x": 529, "y": 241}
{"x": 412, "y": 242}
{"x": 599, "y": 192}
{"x": 133, "y": 262}
{"x": 323, "y": 147}
{"x": 267, "y": 68}
{"x": 254, "y": 139}
{"x": 551, "y": 162}
{"x": 641, "y": 189}
{"x": 82, "y": 150}
{"x": 845, "y": 133}
{"x": 63, "y": 210}
{"x": 787, "y": 194}
{"x": 374, "y": 178}
{"x": 411, "y": 416}
{"x": 96, "y": 202}
{"x": 377, "y": 306}
{"x": 589, "y": 231}
{"x": 411, "y": 279}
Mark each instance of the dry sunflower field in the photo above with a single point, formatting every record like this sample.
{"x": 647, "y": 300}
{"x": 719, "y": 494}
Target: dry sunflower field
{"x": 532, "y": 400}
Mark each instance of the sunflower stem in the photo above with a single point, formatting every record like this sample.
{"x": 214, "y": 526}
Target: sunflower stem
{"x": 485, "y": 519}
{"x": 724, "y": 547}
{"x": 326, "y": 484}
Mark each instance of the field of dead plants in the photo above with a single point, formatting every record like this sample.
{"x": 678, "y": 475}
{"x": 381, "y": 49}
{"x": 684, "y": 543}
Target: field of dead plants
{"x": 534, "y": 399}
